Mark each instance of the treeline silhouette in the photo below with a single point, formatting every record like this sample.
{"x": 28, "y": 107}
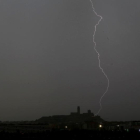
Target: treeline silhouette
{"x": 73, "y": 135}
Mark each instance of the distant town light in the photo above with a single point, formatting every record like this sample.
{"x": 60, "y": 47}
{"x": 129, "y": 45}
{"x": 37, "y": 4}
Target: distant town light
{"x": 118, "y": 125}
{"x": 66, "y": 127}
{"x": 139, "y": 130}
{"x": 100, "y": 126}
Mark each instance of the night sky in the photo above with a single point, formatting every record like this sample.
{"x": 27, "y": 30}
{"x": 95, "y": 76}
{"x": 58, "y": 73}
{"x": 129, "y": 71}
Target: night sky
{"x": 48, "y": 65}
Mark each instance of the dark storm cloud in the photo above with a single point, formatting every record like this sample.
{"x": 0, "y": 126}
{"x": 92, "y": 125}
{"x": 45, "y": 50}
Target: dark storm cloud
{"x": 49, "y": 66}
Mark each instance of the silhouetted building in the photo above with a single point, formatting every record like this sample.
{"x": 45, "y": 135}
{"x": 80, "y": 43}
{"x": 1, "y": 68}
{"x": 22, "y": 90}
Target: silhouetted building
{"x": 74, "y": 120}
{"x": 78, "y": 111}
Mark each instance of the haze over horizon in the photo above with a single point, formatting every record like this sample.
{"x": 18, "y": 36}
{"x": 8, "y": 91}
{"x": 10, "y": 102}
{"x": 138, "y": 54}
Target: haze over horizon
{"x": 49, "y": 66}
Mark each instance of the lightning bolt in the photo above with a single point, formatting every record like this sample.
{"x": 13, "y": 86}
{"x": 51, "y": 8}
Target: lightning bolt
{"x": 99, "y": 58}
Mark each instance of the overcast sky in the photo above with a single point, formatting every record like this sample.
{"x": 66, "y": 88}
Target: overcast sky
{"x": 48, "y": 65}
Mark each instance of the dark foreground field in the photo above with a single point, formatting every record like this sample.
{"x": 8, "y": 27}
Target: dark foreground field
{"x": 73, "y": 135}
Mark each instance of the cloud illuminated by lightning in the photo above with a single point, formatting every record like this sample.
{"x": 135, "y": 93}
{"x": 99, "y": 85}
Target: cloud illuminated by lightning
{"x": 99, "y": 58}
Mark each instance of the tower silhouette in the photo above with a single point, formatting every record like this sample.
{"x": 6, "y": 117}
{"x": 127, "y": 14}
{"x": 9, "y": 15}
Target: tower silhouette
{"x": 78, "y": 110}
